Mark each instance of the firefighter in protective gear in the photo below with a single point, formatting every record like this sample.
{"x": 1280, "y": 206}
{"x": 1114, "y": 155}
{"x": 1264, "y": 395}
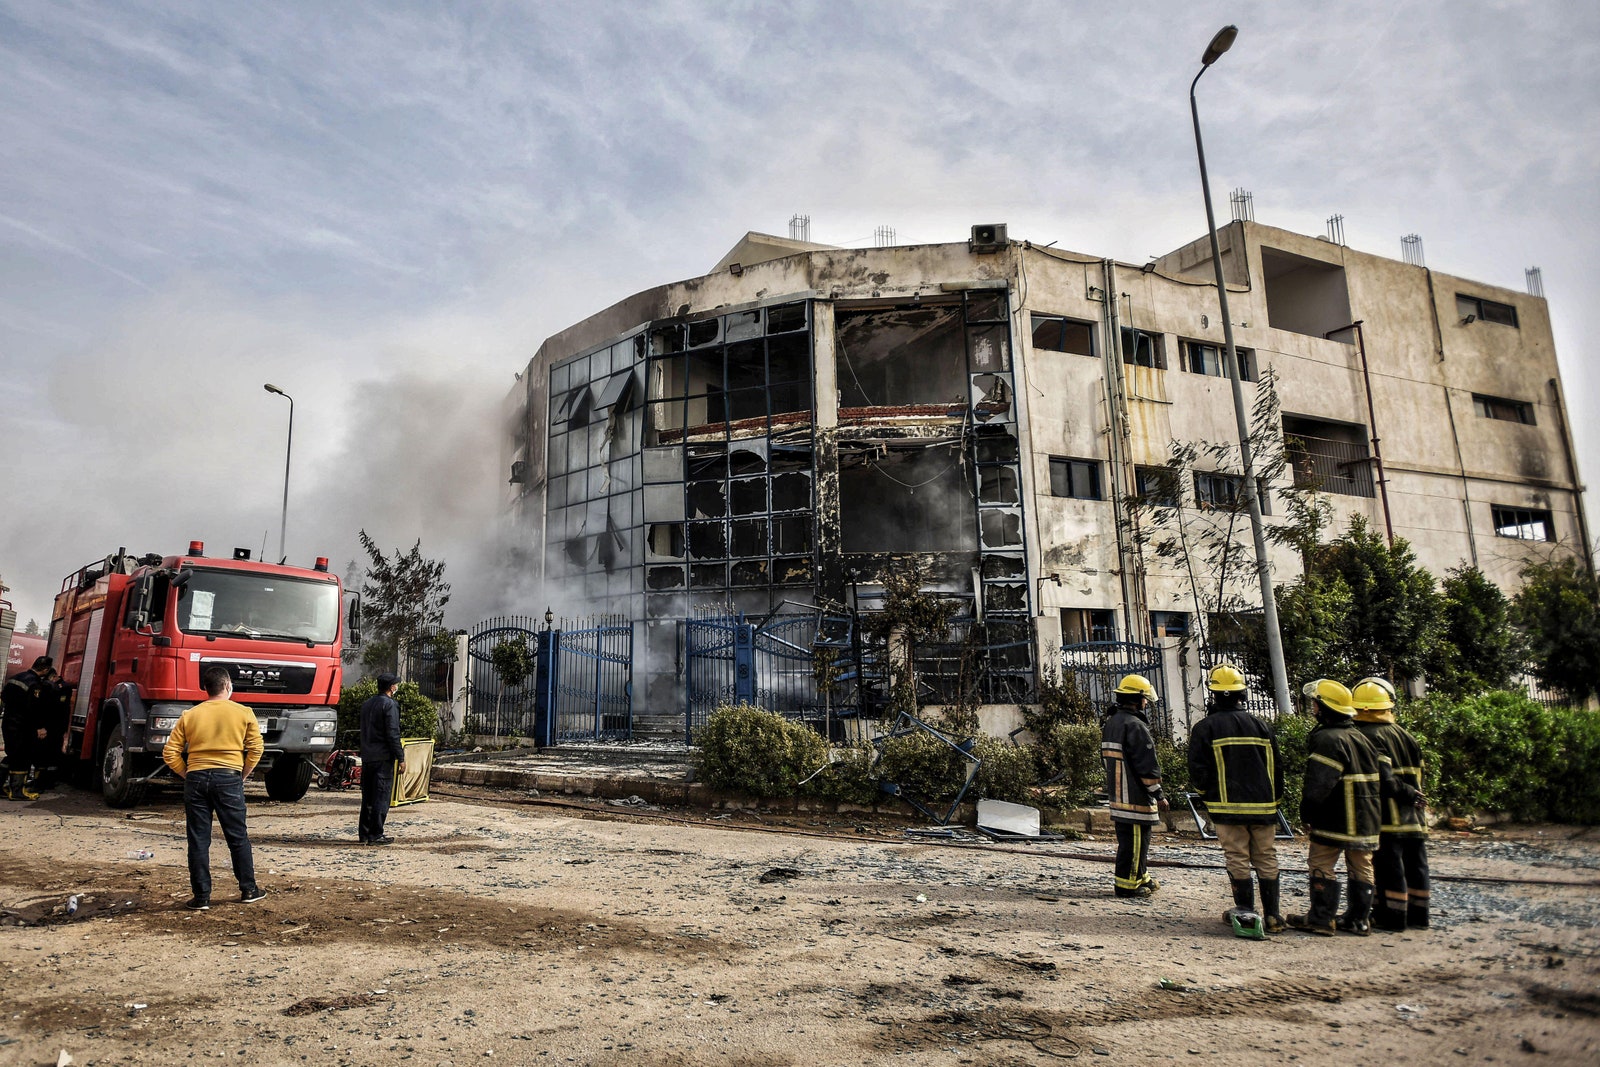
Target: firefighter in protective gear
{"x": 1235, "y": 767}
{"x": 23, "y": 725}
{"x": 1133, "y": 782}
{"x": 1340, "y": 807}
{"x": 55, "y": 709}
{"x": 1400, "y": 865}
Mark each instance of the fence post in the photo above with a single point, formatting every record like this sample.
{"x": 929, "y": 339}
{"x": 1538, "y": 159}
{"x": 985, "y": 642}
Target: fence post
{"x": 744, "y": 663}
{"x": 546, "y": 679}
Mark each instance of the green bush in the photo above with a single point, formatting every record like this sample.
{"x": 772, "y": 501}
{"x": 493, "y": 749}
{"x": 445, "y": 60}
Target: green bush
{"x": 1292, "y": 731}
{"x": 1006, "y": 772}
{"x": 1173, "y": 759}
{"x": 846, "y": 780}
{"x": 1573, "y": 788}
{"x": 1494, "y": 752}
{"x": 1070, "y": 753}
{"x": 747, "y": 750}
{"x": 419, "y": 717}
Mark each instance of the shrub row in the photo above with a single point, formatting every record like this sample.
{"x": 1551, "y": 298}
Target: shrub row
{"x": 1500, "y": 752}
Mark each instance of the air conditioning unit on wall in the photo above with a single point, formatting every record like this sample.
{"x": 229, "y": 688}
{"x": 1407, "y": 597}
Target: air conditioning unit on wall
{"x": 987, "y": 237}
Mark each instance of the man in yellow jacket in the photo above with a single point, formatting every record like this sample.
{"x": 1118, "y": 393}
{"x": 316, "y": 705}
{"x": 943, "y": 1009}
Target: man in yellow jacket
{"x": 214, "y": 747}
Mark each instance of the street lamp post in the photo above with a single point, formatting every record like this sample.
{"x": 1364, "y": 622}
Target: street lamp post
{"x": 288, "y": 450}
{"x": 1269, "y": 606}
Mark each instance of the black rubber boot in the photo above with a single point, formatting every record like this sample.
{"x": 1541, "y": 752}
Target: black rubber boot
{"x": 1271, "y": 917}
{"x": 1357, "y": 918}
{"x": 1319, "y": 919}
{"x": 1417, "y": 916}
{"x": 1244, "y": 898}
{"x": 1385, "y": 916}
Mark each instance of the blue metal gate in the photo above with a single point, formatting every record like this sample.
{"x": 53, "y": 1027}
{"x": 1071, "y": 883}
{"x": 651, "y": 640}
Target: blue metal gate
{"x": 497, "y": 708}
{"x": 1098, "y": 666}
{"x": 579, "y": 686}
{"x": 593, "y": 682}
{"x": 771, "y": 664}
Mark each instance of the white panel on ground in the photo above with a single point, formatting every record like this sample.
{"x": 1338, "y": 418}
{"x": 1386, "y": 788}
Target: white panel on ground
{"x": 1012, "y": 818}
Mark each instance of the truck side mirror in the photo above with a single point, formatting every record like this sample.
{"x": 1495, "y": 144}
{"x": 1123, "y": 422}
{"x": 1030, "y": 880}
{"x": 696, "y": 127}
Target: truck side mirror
{"x": 352, "y": 628}
{"x": 138, "y": 616}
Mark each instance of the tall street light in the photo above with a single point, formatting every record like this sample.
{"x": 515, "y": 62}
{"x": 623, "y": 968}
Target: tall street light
{"x": 288, "y": 450}
{"x": 1269, "y": 606}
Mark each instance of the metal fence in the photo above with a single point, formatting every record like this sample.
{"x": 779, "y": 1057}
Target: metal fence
{"x": 499, "y": 707}
{"x": 1260, "y": 699}
{"x": 1098, "y": 666}
{"x": 1329, "y": 465}
{"x": 593, "y": 684}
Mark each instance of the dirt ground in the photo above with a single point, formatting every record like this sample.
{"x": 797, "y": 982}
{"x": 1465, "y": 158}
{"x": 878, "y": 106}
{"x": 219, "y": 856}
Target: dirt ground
{"x": 503, "y": 928}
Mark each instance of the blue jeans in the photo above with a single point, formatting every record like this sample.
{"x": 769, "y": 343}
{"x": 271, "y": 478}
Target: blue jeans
{"x": 219, "y": 791}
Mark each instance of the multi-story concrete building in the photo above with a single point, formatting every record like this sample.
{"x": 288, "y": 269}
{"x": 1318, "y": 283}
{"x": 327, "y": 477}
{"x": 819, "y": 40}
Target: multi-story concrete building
{"x": 1052, "y": 431}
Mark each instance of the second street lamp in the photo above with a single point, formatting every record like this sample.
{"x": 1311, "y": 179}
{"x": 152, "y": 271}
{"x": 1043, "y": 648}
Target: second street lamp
{"x": 1269, "y": 605}
{"x": 288, "y": 451}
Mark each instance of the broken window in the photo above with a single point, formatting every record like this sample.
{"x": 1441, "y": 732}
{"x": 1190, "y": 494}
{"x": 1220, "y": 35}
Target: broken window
{"x": 1476, "y": 309}
{"x": 1200, "y": 357}
{"x": 1524, "y": 524}
{"x": 1082, "y": 625}
{"x": 1052, "y": 333}
{"x": 1140, "y": 349}
{"x": 1304, "y": 295}
{"x": 1079, "y": 478}
{"x": 905, "y": 499}
{"x": 1330, "y": 456}
{"x": 1169, "y": 624}
{"x": 1494, "y": 407}
{"x": 1156, "y": 487}
{"x": 901, "y": 356}
{"x": 1000, "y": 528}
{"x": 998, "y": 485}
{"x": 1213, "y": 490}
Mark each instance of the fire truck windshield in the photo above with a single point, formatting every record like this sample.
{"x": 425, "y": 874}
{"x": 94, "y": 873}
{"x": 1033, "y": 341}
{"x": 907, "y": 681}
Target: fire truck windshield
{"x": 258, "y": 605}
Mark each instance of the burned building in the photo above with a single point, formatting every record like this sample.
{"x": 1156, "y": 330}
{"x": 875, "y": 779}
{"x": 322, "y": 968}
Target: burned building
{"x": 1049, "y": 431}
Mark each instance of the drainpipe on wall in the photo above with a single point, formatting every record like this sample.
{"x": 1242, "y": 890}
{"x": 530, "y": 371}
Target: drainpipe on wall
{"x": 1572, "y": 471}
{"x": 1372, "y": 427}
{"x": 1455, "y": 436}
{"x": 1135, "y": 618}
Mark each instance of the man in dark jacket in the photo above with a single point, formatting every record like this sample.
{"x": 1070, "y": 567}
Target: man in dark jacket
{"x": 1234, "y": 766}
{"x": 1133, "y": 783}
{"x": 1339, "y": 806}
{"x": 1400, "y": 866}
{"x": 22, "y": 724}
{"x": 55, "y": 709}
{"x": 381, "y": 755}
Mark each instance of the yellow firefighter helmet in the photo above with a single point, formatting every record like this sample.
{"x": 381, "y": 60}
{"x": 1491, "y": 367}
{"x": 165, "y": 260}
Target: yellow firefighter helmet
{"x": 1226, "y": 678}
{"x": 1136, "y": 685}
{"x": 1331, "y": 695}
{"x": 1372, "y": 694}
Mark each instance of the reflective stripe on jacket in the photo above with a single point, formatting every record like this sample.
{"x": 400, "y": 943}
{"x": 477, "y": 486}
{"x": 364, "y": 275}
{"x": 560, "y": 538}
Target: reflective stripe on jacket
{"x": 1401, "y": 814}
{"x": 1234, "y": 766}
{"x": 1129, "y": 755}
{"x": 1340, "y": 804}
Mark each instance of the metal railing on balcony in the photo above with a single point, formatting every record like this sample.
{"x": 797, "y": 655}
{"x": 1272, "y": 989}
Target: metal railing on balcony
{"x": 1329, "y": 465}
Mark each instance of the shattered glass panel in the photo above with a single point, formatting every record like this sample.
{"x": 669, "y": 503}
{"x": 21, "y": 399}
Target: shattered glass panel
{"x": 749, "y": 538}
{"x": 1005, "y": 597}
{"x": 666, "y": 540}
{"x": 796, "y": 571}
{"x": 708, "y": 499}
{"x": 665, "y": 578}
{"x": 998, "y": 485}
{"x": 747, "y": 457}
{"x": 985, "y": 306}
{"x": 704, "y": 332}
{"x": 791, "y": 534}
{"x": 1000, "y": 529}
{"x": 996, "y": 448}
{"x": 708, "y": 575}
{"x": 750, "y": 572}
{"x": 901, "y": 356}
{"x": 707, "y": 540}
{"x": 742, "y": 325}
{"x": 1003, "y": 567}
{"x": 991, "y": 397}
{"x": 748, "y": 496}
{"x": 665, "y": 340}
{"x": 785, "y": 318}
{"x": 792, "y": 491}
{"x": 990, "y": 348}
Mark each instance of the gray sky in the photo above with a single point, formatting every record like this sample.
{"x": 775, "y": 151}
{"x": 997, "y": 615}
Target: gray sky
{"x": 383, "y": 208}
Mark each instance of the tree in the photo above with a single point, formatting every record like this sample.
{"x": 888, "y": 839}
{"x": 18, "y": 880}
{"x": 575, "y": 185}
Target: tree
{"x": 1479, "y": 648}
{"x": 1558, "y": 609}
{"x": 513, "y": 662}
{"x": 32, "y": 629}
{"x": 403, "y": 600}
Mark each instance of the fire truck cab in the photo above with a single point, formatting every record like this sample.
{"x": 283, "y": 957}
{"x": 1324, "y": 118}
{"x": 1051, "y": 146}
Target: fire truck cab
{"x": 132, "y": 635}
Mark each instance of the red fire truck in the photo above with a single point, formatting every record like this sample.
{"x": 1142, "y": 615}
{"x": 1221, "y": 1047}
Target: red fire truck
{"x": 132, "y": 634}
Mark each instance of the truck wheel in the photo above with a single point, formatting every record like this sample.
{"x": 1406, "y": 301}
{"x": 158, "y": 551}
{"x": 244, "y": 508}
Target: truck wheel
{"x": 289, "y": 778}
{"x": 117, "y": 772}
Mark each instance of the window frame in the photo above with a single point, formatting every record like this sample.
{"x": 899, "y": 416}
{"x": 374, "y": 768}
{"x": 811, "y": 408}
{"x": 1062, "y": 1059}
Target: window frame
{"x": 1247, "y": 359}
{"x": 1487, "y": 406}
{"x": 1158, "y": 347}
{"x": 1510, "y": 517}
{"x": 1206, "y": 501}
{"x": 1036, "y": 319}
{"x": 1485, "y": 310}
{"x": 1073, "y": 466}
